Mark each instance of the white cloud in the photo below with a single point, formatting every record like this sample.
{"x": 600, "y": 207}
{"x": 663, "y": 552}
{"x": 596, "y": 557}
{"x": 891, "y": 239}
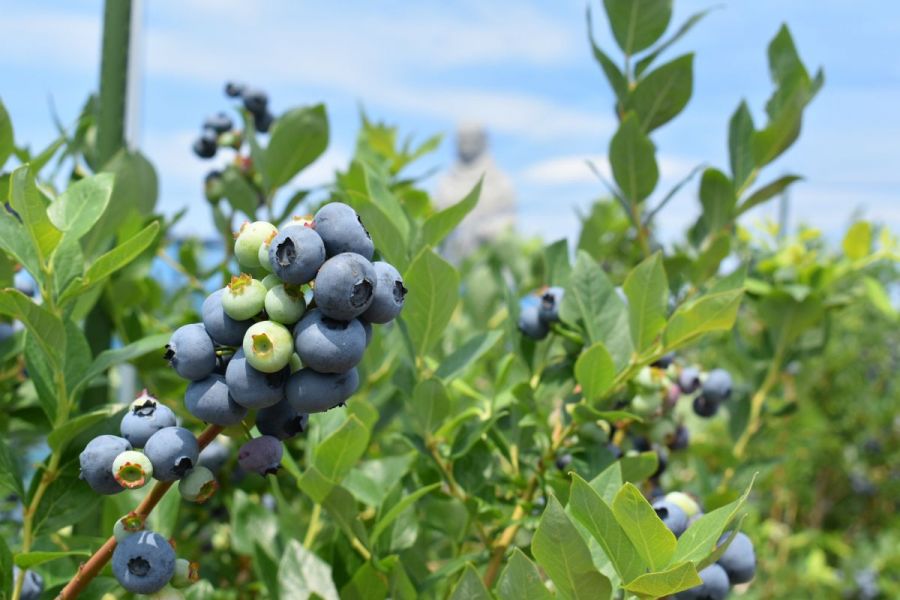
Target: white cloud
{"x": 573, "y": 169}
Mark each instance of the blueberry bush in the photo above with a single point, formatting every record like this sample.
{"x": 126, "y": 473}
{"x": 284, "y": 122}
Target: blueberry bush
{"x": 597, "y": 417}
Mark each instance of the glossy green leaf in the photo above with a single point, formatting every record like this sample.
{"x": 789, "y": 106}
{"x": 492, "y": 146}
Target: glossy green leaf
{"x": 395, "y": 511}
{"x": 651, "y": 538}
{"x": 7, "y": 141}
{"x": 60, "y": 436}
{"x": 632, "y": 157}
{"x": 614, "y": 75}
{"x": 337, "y": 453}
{"x": 675, "y": 579}
{"x": 240, "y": 194}
{"x": 14, "y": 240}
{"x": 595, "y": 371}
{"x": 767, "y": 192}
{"x": 67, "y": 500}
{"x": 647, "y": 290}
{"x": 117, "y": 258}
{"x": 10, "y": 472}
{"x": 433, "y": 286}
{"x": 858, "y": 240}
{"x": 32, "y": 208}
{"x": 637, "y": 468}
{"x": 664, "y": 92}
{"x": 701, "y": 537}
{"x": 342, "y": 507}
{"x": 371, "y": 481}
{"x": 298, "y": 138}
{"x": 41, "y": 372}
{"x": 557, "y": 268}
{"x": 559, "y": 548}
{"x": 597, "y": 517}
{"x": 637, "y": 24}
{"x": 521, "y": 580}
{"x": 439, "y": 225}
{"x": 645, "y": 62}
{"x": 302, "y": 574}
{"x": 33, "y": 559}
{"x": 470, "y": 586}
{"x": 608, "y": 482}
{"x": 591, "y": 301}
{"x": 717, "y": 199}
{"x": 44, "y": 326}
{"x": 368, "y": 583}
{"x": 712, "y": 312}
{"x": 66, "y": 263}
{"x": 740, "y": 150}
{"x": 77, "y": 209}
{"x": 117, "y": 356}
{"x": 77, "y": 357}
{"x": 430, "y": 404}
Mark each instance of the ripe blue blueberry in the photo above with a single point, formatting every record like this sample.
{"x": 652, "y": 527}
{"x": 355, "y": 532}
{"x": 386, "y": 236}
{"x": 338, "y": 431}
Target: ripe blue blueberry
{"x": 680, "y": 439}
{"x": 24, "y": 283}
{"x": 191, "y": 352}
{"x": 717, "y": 385}
{"x": 664, "y": 361}
{"x": 251, "y": 387}
{"x": 96, "y": 462}
{"x": 345, "y": 286}
{"x": 343, "y": 231}
{"x": 234, "y": 89}
{"x": 714, "y": 586}
{"x": 173, "y": 451}
{"x": 563, "y": 461}
{"x": 261, "y": 455}
{"x": 255, "y": 100}
{"x": 32, "y": 585}
{"x": 329, "y": 346}
{"x": 220, "y": 123}
{"x": 143, "y": 562}
{"x": 281, "y": 421}
{"x": 530, "y": 322}
{"x": 207, "y": 144}
{"x": 389, "y": 294}
{"x": 145, "y": 417}
{"x": 672, "y": 515}
{"x": 705, "y": 407}
{"x": 368, "y": 327}
{"x": 262, "y": 121}
{"x": 689, "y": 380}
{"x": 214, "y": 456}
{"x": 221, "y": 328}
{"x": 550, "y": 303}
{"x": 309, "y": 391}
{"x": 210, "y": 401}
{"x": 296, "y": 254}
{"x": 739, "y": 559}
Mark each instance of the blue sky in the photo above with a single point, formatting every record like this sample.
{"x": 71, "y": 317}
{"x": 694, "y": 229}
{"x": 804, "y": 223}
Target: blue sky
{"x": 522, "y": 68}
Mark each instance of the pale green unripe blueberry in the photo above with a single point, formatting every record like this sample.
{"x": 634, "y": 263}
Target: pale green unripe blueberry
{"x": 166, "y": 594}
{"x": 130, "y": 523}
{"x": 187, "y": 573}
{"x": 295, "y": 363}
{"x": 243, "y": 298}
{"x": 645, "y": 405}
{"x": 268, "y": 346}
{"x": 198, "y": 486}
{"x": 132, "y": 469}
{"x": 270, "y": 281}
{"x": 249, "y": 239}
{"x": 684, "y": 502}
{"x": 263, "y": 256}
{"x": 285, "y": 304}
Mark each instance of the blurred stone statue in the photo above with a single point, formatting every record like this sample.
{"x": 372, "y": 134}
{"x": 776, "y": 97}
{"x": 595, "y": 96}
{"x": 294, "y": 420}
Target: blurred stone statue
{"x": 495, "y": 212}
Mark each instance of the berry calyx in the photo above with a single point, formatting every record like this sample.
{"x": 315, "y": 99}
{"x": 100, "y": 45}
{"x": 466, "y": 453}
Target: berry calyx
{"x": 132, "y": 469}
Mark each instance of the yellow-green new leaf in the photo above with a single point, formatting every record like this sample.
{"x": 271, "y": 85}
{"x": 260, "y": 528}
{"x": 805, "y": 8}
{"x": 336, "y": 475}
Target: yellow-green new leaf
{"x": 647, "y": 290}
{"x": 682, "y": 576}
{"x": 650, "y": 536}
{"x": 712, "y": 312}
{"x": 595, "y": 371}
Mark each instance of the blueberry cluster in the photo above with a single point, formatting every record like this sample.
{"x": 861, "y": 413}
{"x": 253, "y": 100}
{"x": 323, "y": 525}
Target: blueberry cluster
{"x": 144, "y": 561}
{"x": 32, "y": 585}
{"x": 218, "y": 130}
{"x": 714, "y": 389}
{"x": 736, "y": 565}
{"x": 537, "y": 312}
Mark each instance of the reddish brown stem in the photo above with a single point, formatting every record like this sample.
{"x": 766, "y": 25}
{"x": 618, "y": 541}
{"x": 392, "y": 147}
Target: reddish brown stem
{"x": 93, "y": 566}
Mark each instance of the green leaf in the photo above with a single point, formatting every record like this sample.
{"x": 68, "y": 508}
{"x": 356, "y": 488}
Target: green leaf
{"x": 780, "y": 132}
{"x": 33, "y": 559}
{"x": 6, "y": 569}
{"x": 680, "y": 577}
{"x": 608, "y": 482}
{"x": 632, "y": 157}
{"x": 712, "y": 312}
{"x": 298, "y": 138}
{"x": 470, "y": 586}
{"x": 440, "y": 224}
{"x": 467, "y": 354}
{"x": 664, "y": 92}
{"x": 651, "y": 538}
{"x": 717, "y": 198}
{"x": 591, "y": 300}
{"x": 614, "y": 75}
{"x": 430, "y": 404}
{"x": 701, "y": 537}
{"x": 239, "y": 192}
{"x": 251, "y": 523}
{"x": 301, "y": 574}
{"x": 43, "y": 325}
{"x": 395, "y": 511}
{"x": 337, "y": 453}
{"x": 647, "y": 290}
{"x": 371, "y": 481}
{"x": 382, "y": 197}
{"x": 32, "y": 208}
{"x": 67, "y": 264}
{"x": 67, "y": 500}
{"x": 14, "y": 240}
{"x": 7, "y": 142}
{"x": 597, "y": 517}
{"x": 595, "y": 371}
{"x": 639, "y": 467}
{"x": 77, "y": 210}
{"x": 556, "y": 263}
{"x": 645, "y": 62}
{"x": 117, "y": 356}
{"x": 60, "y": 436}
{"x": 879, "y": 297}
{"x": 368, "y": 583}
{"x": 766, "y": 192}
{"x": 858, "y": 240}
{"x": 341, "y": 505}
{"x": 562, "y": 552}
{"x": 521, "y": 580}
{"x": 637, "y": 24}
{"x": 40, "y": 371}
{"x": 10, "y": 473}
{"x": 115, "y": 259}
{"x": 433, "y": 286}
{"x": 740, "y": 153}
{"x": 266, "y": 570}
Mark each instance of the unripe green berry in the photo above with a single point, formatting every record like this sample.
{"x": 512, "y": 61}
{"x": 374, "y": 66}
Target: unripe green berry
{"x": 132, "y": 469}
{"x": 295, "y": 363}
{"x": 244, "y": 297}
{"x": 249, "y": 239}
{"x": 187, "y": 573}
{"x": 263, "y": 254}
{"x": 285, "y": 304}
{"x": 130, "y": 523}
{"x": 198, "y": 485}
{"x": 268, "y": 346}
{"x": 270, "y": 281}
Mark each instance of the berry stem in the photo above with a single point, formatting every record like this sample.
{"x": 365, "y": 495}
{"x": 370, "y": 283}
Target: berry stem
{"x": 93, "y": 566}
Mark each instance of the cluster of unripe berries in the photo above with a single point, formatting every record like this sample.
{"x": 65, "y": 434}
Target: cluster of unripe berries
{"x": 218, "y": 130}
{"x": 736, "y": 565}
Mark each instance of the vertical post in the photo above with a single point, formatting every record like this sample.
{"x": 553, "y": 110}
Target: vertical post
{"x": 113, "y": 79}
{"x": 784, "y": 201}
